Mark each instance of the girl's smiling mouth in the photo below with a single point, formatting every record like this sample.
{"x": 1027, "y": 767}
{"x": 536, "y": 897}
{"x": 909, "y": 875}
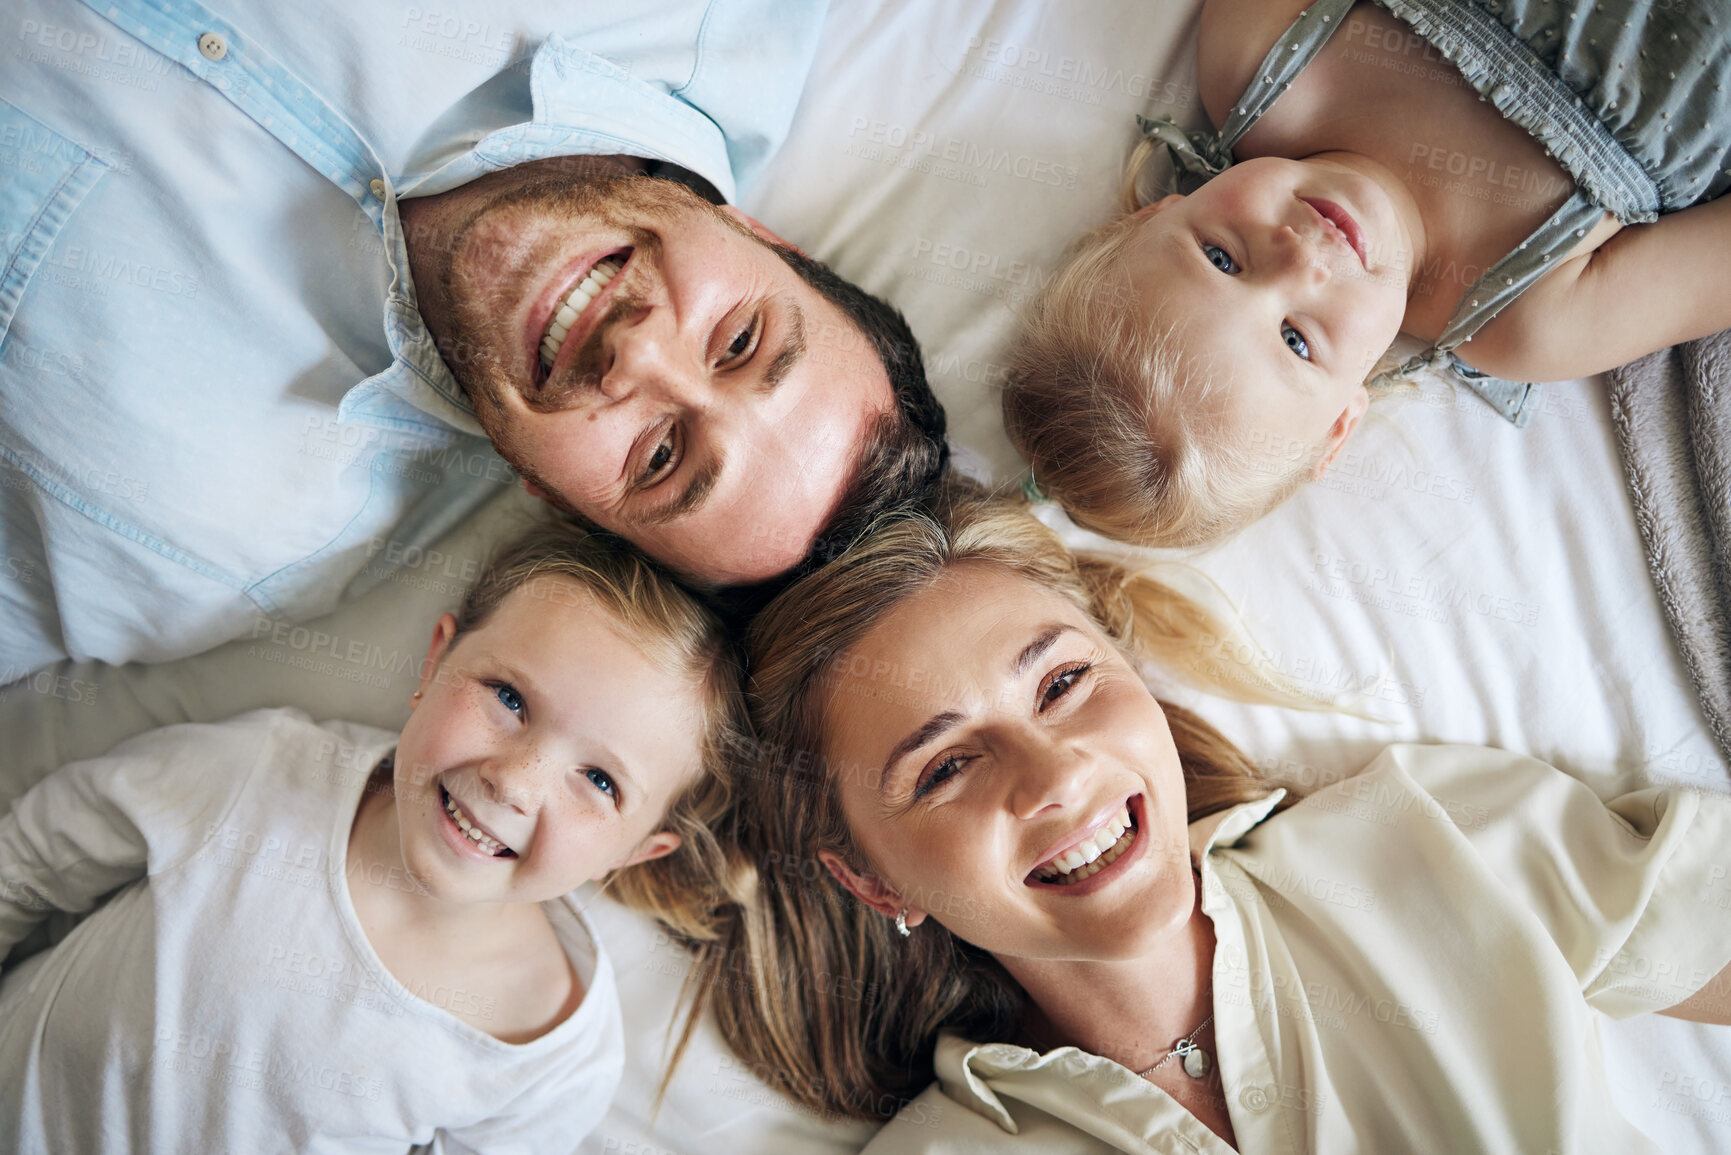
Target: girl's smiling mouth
{"x": 458, "y": 820}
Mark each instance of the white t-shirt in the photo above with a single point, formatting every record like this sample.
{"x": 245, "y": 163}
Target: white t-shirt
{"x": 229, "y": 1001}
{"x": 1413, "y": 959}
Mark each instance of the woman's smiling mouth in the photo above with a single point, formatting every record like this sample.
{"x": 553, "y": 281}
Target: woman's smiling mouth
{"x": 1094, "y": 853}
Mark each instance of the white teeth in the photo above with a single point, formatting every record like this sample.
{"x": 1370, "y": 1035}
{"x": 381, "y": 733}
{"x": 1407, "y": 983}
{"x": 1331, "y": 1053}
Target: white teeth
{"x": 572, "y": 307}
{"x": 1088, "y": 858}
{"x": 490, "y": 845}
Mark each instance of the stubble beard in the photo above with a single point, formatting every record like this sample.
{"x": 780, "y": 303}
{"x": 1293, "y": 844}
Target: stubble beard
{"x": 632, "y": 204}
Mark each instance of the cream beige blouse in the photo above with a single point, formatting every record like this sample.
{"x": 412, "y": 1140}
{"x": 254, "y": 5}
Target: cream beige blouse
{"x": 1408, "y": 960}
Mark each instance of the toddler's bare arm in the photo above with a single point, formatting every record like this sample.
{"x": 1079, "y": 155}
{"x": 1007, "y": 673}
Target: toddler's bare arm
{"x": 1647, "y": 287}
{"x": 1710, "y": 1004}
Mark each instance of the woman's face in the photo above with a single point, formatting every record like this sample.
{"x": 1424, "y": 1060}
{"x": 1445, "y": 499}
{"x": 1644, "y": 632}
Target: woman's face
{"x": 987, "y": 734}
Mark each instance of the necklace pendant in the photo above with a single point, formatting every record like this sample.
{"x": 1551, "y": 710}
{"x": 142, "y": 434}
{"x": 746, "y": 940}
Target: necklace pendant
{"x": 1197, "y": 1064}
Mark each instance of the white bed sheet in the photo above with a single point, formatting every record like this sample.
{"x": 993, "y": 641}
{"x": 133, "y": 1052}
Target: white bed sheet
{"x": 1470, "y": 582}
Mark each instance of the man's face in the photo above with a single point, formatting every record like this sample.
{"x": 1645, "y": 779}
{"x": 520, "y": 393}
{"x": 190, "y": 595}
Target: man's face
{"x": 703, "y": 400}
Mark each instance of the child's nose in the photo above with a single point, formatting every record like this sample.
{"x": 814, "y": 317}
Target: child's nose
{"x": 510, "y": 782}
{"x": 1300, "y": 255}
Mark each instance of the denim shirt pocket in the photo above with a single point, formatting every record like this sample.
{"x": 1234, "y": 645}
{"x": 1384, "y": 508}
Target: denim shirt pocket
{"x": 45, "y": 176}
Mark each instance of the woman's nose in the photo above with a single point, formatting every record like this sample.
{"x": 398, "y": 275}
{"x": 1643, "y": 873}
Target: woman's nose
{"x": 1047, "y": 770}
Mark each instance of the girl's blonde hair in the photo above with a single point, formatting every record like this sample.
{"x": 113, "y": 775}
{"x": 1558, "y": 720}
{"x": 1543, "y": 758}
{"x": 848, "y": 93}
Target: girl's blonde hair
{"x": 814, "y": 990}
{"x": 684, "y": 639}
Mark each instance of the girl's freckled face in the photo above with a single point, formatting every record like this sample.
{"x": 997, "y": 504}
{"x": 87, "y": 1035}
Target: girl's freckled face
{"x": 556, "y": 736}
{"x": 1015, "y": 728}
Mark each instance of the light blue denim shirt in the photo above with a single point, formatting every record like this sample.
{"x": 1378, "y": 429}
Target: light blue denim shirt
{"x": 219, "y": 407}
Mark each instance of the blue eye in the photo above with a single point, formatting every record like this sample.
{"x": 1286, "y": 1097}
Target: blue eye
{"x": 602, "y": 782}
{"x": 1220, "y": 259}
{"x": 509, "y": 697}
{"x": 1295, "y": 341}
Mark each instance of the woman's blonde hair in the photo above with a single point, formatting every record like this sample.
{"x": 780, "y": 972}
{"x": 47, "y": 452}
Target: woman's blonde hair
{"x": 810, "y": 987}
{"x": 682, "y": 638}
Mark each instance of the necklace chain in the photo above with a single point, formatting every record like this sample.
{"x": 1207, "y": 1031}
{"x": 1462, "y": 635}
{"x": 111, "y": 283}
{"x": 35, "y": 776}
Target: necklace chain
{"x": 1179, "y": 1049}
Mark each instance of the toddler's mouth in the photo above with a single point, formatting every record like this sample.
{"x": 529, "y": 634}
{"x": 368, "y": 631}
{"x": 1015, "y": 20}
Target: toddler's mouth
{"x": 1341, "y": 221}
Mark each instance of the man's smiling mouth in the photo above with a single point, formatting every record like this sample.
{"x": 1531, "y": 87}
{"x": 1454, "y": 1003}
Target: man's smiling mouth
{"x": 568, "y": 313}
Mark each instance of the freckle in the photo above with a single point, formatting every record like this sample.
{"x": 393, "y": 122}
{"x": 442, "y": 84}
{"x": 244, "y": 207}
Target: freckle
{"x": 592, "y": 417}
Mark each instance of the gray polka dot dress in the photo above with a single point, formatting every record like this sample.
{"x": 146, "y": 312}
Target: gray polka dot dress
{"x": 1632, "y": 98}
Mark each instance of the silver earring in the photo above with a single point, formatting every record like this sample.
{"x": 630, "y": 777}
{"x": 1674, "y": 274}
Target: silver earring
{"x": 902, "y": 923}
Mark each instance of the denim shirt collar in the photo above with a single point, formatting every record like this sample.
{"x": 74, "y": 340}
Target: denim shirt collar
{"x": 583, "y": 104}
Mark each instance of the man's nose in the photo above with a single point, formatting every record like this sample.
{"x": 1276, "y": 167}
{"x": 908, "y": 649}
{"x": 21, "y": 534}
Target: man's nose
{"x": 649, "y": 354}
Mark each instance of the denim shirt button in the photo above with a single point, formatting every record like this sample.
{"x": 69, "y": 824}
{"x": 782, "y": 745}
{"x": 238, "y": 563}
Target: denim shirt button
{"x": 213, "y": 46}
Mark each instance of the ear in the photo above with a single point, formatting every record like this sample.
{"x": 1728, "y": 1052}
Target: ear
{"x": 657, "y": 845}
{"x": 1149, "y": 210}
{"x": 443, "y": 632}
{"x": 1342, "y": 429}
{"x": 868, "y": 888}
{"x": 763, "y": 231}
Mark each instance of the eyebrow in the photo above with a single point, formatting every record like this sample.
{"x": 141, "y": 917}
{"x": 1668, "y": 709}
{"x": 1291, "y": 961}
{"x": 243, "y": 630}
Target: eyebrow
{"x": 938, "y": 723}
{"x": 792, "y": 350}
{"x": 1192, "y": 246}
{"x": 696, "y": 492}
{"x": 508, "y": 671}
{"x": 1033, "y": 650}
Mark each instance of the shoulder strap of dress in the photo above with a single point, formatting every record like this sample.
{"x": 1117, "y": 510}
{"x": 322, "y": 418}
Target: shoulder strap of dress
{"x": 1549, "y": 245}
{"x": 1207, "y": 154}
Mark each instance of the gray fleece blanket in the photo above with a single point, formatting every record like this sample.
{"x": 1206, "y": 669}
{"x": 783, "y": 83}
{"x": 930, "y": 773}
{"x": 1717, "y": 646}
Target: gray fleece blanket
{"x": 1672, "y": 413}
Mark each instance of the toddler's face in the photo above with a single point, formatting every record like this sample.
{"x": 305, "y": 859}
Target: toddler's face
{"x": 543, "y": 753}
{"x": 1286, "y": 281}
